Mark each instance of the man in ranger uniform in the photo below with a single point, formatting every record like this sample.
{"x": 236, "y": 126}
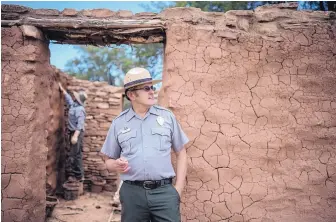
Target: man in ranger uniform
{"x": 138, "y": 145}
{"x": 76, "y": 121}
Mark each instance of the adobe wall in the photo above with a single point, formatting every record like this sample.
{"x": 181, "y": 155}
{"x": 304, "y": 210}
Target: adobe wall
{"x": 27, "y": 88}
{"x": 34, "y": 124}
{"x": 255, "y": 92}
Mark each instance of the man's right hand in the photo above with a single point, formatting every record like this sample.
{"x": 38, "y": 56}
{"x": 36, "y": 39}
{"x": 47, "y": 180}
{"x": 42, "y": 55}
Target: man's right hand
{"x": 122, "y": 165}
{"x": 61, "y": 87}
{"x": 119, "y": 165}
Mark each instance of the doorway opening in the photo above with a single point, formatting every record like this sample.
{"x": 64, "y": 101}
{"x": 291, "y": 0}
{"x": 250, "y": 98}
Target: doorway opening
{"x": 98, "y": 62}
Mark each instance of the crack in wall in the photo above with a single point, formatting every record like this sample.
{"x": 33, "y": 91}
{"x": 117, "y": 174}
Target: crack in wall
{"x": 263, "y": 129}
{"x": 255, "y": 98}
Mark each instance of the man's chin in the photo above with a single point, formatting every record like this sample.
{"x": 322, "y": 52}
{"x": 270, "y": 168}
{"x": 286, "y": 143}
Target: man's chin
{"x": 150, "y": 102}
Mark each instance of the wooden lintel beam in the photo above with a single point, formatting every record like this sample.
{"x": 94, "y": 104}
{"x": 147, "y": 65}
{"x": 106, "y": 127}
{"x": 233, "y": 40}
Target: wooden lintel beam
{"x": 73, "y": 23}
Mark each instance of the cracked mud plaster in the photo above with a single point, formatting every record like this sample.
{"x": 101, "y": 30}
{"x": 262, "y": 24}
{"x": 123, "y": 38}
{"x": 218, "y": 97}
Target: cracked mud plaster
{"x": 254, "y": 90}
{"x": 261, "y": 117}
{"x": 25, "y": 102}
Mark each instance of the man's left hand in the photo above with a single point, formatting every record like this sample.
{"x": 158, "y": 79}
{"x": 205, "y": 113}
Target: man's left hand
{"x": 74, "y": 139}
{"x": 179, "y": 190}
{"x": 61, "y": 88}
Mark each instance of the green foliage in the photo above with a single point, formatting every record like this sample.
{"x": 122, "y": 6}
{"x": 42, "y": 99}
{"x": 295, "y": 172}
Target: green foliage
{"x": 111, "y": 63}
{"x": 212, "y": 6}
{"x": 224, "y": 6}
{"x": 318, "y": 5}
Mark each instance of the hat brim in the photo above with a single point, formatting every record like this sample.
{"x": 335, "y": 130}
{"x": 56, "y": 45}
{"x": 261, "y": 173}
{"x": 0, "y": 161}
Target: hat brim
{"x": 122, "y": 90}
{"x": 76, "y": 95}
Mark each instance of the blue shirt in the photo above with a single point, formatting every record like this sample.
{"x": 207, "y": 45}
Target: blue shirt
{"x": 76, "y": 116}
{"x": 145, "y": 142}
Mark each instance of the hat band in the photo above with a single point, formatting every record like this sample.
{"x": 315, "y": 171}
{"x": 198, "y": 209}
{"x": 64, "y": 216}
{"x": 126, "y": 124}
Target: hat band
{"x": 137, "y": 82}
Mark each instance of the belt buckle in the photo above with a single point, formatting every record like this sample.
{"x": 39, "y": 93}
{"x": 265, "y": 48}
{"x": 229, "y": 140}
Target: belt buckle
{"x": 147, "y": 182}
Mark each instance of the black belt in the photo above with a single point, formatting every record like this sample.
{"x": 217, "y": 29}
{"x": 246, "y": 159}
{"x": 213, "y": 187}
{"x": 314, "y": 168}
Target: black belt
{"x": 150, "y": 184}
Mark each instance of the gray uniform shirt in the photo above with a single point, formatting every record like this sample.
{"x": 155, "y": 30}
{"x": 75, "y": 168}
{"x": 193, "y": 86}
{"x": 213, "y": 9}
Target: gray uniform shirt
{"x": 145, "y": 143}
{"x": 77, "y": 114}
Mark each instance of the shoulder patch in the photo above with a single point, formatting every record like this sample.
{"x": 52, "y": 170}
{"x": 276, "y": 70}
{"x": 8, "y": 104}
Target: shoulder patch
{"x": 122, "y": 113}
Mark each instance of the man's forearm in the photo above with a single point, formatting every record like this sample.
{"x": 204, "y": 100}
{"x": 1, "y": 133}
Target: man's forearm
{"x": 77, "y": 132}
{"x": 182, "y": 164}
{"x": 68, "y": 98}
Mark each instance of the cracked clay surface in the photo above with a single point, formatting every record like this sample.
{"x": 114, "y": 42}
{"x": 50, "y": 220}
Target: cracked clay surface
{"x": 259, "y": 108}
{"x": 254, "y": 91}
{"x": 24, "y": 96}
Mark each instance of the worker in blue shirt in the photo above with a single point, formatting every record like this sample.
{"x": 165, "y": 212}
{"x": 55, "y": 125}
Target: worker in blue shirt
{"x": 76, "y": 120}
{"x": 138, "y": 146}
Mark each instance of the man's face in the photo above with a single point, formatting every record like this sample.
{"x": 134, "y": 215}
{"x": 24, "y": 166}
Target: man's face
{"x": 143, "y": 94}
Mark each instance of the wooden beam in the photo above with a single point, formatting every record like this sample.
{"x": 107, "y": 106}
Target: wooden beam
{"x": 75, "y": 23}
{"x": 96, "y": 31}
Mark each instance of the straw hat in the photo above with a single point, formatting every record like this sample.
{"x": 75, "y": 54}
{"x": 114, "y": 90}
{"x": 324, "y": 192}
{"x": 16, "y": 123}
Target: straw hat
{"x": 81, "y": 97}
{"x": 137, "y": 76}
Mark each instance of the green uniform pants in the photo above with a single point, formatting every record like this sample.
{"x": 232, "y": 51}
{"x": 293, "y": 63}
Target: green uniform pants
{"x": 156, "y": 205}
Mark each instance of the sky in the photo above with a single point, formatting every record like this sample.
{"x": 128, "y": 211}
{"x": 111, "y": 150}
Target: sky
{"x": 60, "y": 54}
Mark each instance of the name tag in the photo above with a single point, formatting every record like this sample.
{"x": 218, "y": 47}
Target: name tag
{"x": 125, "y": 130}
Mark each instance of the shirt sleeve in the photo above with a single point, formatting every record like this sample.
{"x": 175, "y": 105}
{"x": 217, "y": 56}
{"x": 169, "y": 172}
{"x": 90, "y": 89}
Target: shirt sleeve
{"x": 80, "y": 115}
{"x": 111, "y": 146}
{"x": 68, "y": 99}
{"x": 179, "y": 138}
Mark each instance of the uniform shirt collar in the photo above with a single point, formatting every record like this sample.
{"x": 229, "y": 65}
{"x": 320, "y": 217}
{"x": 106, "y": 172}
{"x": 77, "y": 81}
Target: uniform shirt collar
{"x": 130, "y": 114}
{"x": 153, "y": 110}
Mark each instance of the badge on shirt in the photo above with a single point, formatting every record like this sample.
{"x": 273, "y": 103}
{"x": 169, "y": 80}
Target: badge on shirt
{"x": 160, "y": 120}
{"x": 125, "y": 130}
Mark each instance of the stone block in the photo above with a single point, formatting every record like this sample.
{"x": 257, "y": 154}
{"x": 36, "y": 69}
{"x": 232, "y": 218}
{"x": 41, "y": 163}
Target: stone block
{"x": 69, "y": 12}
{"x": 14, "y": 8}
{"x": 32, "y": 31}
{"x": 47, "y": 12}
{"x": 103, "y": 105}
{"x": 124, "y": 13}
{"x": 98, "y": 13}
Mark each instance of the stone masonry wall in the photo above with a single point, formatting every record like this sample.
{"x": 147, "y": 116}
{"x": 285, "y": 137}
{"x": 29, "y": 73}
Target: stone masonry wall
{"x": 255, "y": 92}
{"x": 27, "y": 85}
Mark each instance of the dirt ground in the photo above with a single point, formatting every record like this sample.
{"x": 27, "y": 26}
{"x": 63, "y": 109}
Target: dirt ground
{"x": 88, "y": 207}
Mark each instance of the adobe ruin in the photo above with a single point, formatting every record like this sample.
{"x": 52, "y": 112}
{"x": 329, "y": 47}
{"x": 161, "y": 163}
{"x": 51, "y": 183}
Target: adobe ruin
{"x": 254, "y": 90}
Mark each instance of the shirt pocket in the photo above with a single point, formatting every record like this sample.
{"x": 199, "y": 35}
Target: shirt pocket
{"x": 126, "y": 142}
{"x": 163, "y": 135}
